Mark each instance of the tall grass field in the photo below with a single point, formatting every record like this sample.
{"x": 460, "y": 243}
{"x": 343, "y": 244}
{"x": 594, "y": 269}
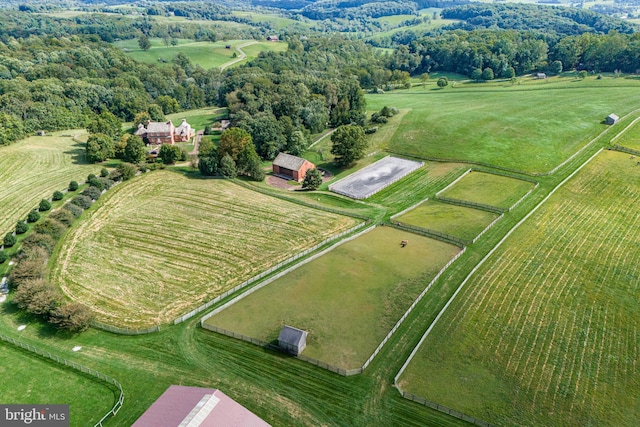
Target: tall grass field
{"x": 162, "y": 244}
{"x": 547, "y": 331}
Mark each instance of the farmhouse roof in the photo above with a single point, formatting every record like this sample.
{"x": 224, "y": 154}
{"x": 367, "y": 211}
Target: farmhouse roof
{"x": 159, "y": 127}
{"x": 288, "y": 161}
{"x": 292, "y": 336}
{"x": 196, "y": 406}
{"x": 184, "y": 128}
{"x": 141, "y": 131}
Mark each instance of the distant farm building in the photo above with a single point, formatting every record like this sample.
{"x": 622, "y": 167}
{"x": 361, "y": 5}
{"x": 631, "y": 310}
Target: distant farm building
{"x": 611, "y": 119}
{"x": 164, "y": 132}
{"x": 228, "y": 46}
{"x": 224, "y": 125}
{"x": 541, "y": 76}
{"x": 196, "y": 406}
{"x": 273, "y": 38}
{"x": 291, "y": 167}
{"x": 292, "y": 340}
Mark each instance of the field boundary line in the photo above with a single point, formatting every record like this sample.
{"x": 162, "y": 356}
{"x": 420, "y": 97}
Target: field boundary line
{"x": 443, "y": 237}
{"x": 409, "y": 208}
{"x": 454, "y": 182}
{"x": 481, "y": 262}
{"x": 523, "y": 197}
{"x": 274, "y": 277}
{"x": 627, "y": 150}
{"x": 81, "y": 368}
{"x": 468, "y": 204}
{"x": 487, "y": 228}
{"x": 626, "y": 128}
{"x": 322, "y": 137}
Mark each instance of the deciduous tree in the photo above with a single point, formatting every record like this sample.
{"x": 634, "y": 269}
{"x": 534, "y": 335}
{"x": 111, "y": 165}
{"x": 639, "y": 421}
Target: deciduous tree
{"x": 348, "y": 144}
{"x": 312, "y": 180}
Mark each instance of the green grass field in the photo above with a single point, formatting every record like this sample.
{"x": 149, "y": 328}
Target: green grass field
{"x": 459, "y": 221}
{"x": 489, "y": 189}
{"x": 546, "y": 332}
{"x": 163, "y": 244}
{"x": 199, "y": 119}
{"x": 531, "y": 127}
{"x": 631, "y": 138}
{"x": 34, "y": 168}
{"x": 347, "y": 300}
{"x": 30, "y": 379}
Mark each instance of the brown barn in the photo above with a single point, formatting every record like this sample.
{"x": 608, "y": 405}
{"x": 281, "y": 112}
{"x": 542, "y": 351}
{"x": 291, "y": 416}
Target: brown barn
{"x": 291, "y": 167}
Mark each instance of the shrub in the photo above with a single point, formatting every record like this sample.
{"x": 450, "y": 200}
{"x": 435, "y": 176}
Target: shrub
{"x": 83, "y": 201}
{"x": 208, "y": 166}
{"x": 57, "y": 195}
{"x": 73, "y": 317}
{"x": 94, "y": 181}
{"x": 127, "y": 171}
{"x": 37, "y": 296}
{"x": 92, "y": 192}
{"x": 21, "y": 227}
{"x": 107, "y": 183}
{"x": 3, "y": 256}
{"x": 44, "y": 205}
{"x": 143, "y": 168}
{"x": 33, "y": 216}
{"x": 45, "y": 241}
{"x": 169, "y": 153}
{"x": 64, "y": 216}
{"x": 9, "y": 240}
{"x": 74, "y": 209}
{"x": 183, "y": 156}
{"x": 73, "y": 186}
{"x": 104, "y": 172}
{"x": 50, "y": 226}
{"x": 115, "y": 175}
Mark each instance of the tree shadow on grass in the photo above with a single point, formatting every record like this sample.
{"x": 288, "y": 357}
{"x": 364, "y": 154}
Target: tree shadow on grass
{"x": 77, "y": 154}
{"x": 43, "y": 328}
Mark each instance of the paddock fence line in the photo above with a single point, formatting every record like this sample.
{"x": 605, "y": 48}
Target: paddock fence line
{"x": 265, "y": 273}
{"x": 473, "y": 205}
{"x": 523, "y": 197}
{"x": 506, "y": 174}
{"x": 443, "y": 237}
{"x": 270, "y": 346}
{"x": 299, "y": 202}
{"x": 454, "y": 182}
{"x": 116, "y": 407}
{"x": 627, "y": 150}
{"x": 124, "y": 331}
{"x": 409, "y": 208}
{"x": 487, "y": 228}
{"x": 411, "y": 307}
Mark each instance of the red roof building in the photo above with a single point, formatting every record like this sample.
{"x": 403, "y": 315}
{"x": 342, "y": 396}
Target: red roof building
{"x": 291, "y": 167}
{"x": 181, "y": 406}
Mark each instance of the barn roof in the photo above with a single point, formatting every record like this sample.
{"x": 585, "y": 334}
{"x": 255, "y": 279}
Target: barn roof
{"x": 288, "y": 161}
{"x": 291, "y": 335}
{"x": 155, "y": 127}
{"x": 613, "y": 116}
{"x": 196, "y": 406}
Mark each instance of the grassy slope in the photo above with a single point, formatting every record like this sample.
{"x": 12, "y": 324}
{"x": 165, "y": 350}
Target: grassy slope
{"x": 162, "y": 244}
{"x": 529, "y": 127}
{"x": 489, "y": 189}
{"x": 367, "y": 284}
{"x": 49, "y": 383}
{"x": 547, "y": 330}
{"x": 631, "y": 138}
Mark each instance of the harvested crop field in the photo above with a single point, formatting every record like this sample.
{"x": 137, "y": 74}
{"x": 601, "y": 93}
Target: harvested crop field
{"x": 547, "y": 331}
{"x": 163, "y": 244}
{"x": 348, "y": 299}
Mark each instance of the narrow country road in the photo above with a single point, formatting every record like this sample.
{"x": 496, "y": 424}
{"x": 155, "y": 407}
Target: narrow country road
{"x": 239, "y": 58}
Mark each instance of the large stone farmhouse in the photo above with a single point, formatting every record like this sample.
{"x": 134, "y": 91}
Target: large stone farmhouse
{"x": 165, "y": 132}
{"x": 291, "y": 167}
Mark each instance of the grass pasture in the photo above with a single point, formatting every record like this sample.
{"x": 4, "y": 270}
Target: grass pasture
{"x": 631, "y": 138}
{"x": 459, "y": 221}
{"x": 163, "y": 244}
{"x": 348, "y": 299}
{"x": 530, "y": 128}
{"x": 31, "y": 379}
{"x": 546, "y": 332}
{"x": 33, "y": 169}
{"x": 488, "y": 189}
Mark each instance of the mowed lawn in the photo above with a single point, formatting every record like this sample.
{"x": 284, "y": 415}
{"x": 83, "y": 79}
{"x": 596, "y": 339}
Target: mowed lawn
{"x": 347, "y": 299}
{"x": 488, "y": 189}
{"x": 530, "y": 128}
{"x": 547, "y": 332}
{"x": 30, "y": 379}
{"x": 459, "y": 221}
{"x": 33, "y": 169}
{"x": 630, "y": 138}
{"x": 163, "y": 244}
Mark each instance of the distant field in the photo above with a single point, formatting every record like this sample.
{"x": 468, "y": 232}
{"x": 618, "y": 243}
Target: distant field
{"x": 462, "y": 222}
{"x": 531, "y": 128}
{"x": 547, "y": 331}
{"x": 489, "y": 189}
{"x": 347, "y": 300}
{"x": 30, "y": 379}
{"x": 34, "y": 168}
{"x": 163, "y": 244}
{"x": 631, "y": 138}
{"x": 199, "y": 119}
{"x": 277, "y": 21}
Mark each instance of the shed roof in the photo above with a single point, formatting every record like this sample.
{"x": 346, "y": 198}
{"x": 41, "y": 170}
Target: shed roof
{"x": 157, "y": 127}
{"x": 288, "y": 161}
{"x": 613, "y": 116}
{"x": 291, "y": 335}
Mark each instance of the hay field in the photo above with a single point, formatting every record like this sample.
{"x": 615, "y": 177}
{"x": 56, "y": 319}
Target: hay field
{"x": 547, "y": 332}
{"x": 33, "y": 169}
{"x": 348, "y": 299}
{"x": 163, "y": 244}
{"x": 488, "y": 189}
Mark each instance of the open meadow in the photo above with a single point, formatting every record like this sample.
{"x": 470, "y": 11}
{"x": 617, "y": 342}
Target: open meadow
{"x": 348, "y": 299}
{"x": 459, "y": 221}
{"x": 162, "y": 244}
{"x": 33, "y": 169}
{"x": 546, "y": 332}
{"x": 30, "y": 379}
{"x": 630, "y": 138}
{"x": 531, "y": 127}
{"x": 488, "y": 189}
